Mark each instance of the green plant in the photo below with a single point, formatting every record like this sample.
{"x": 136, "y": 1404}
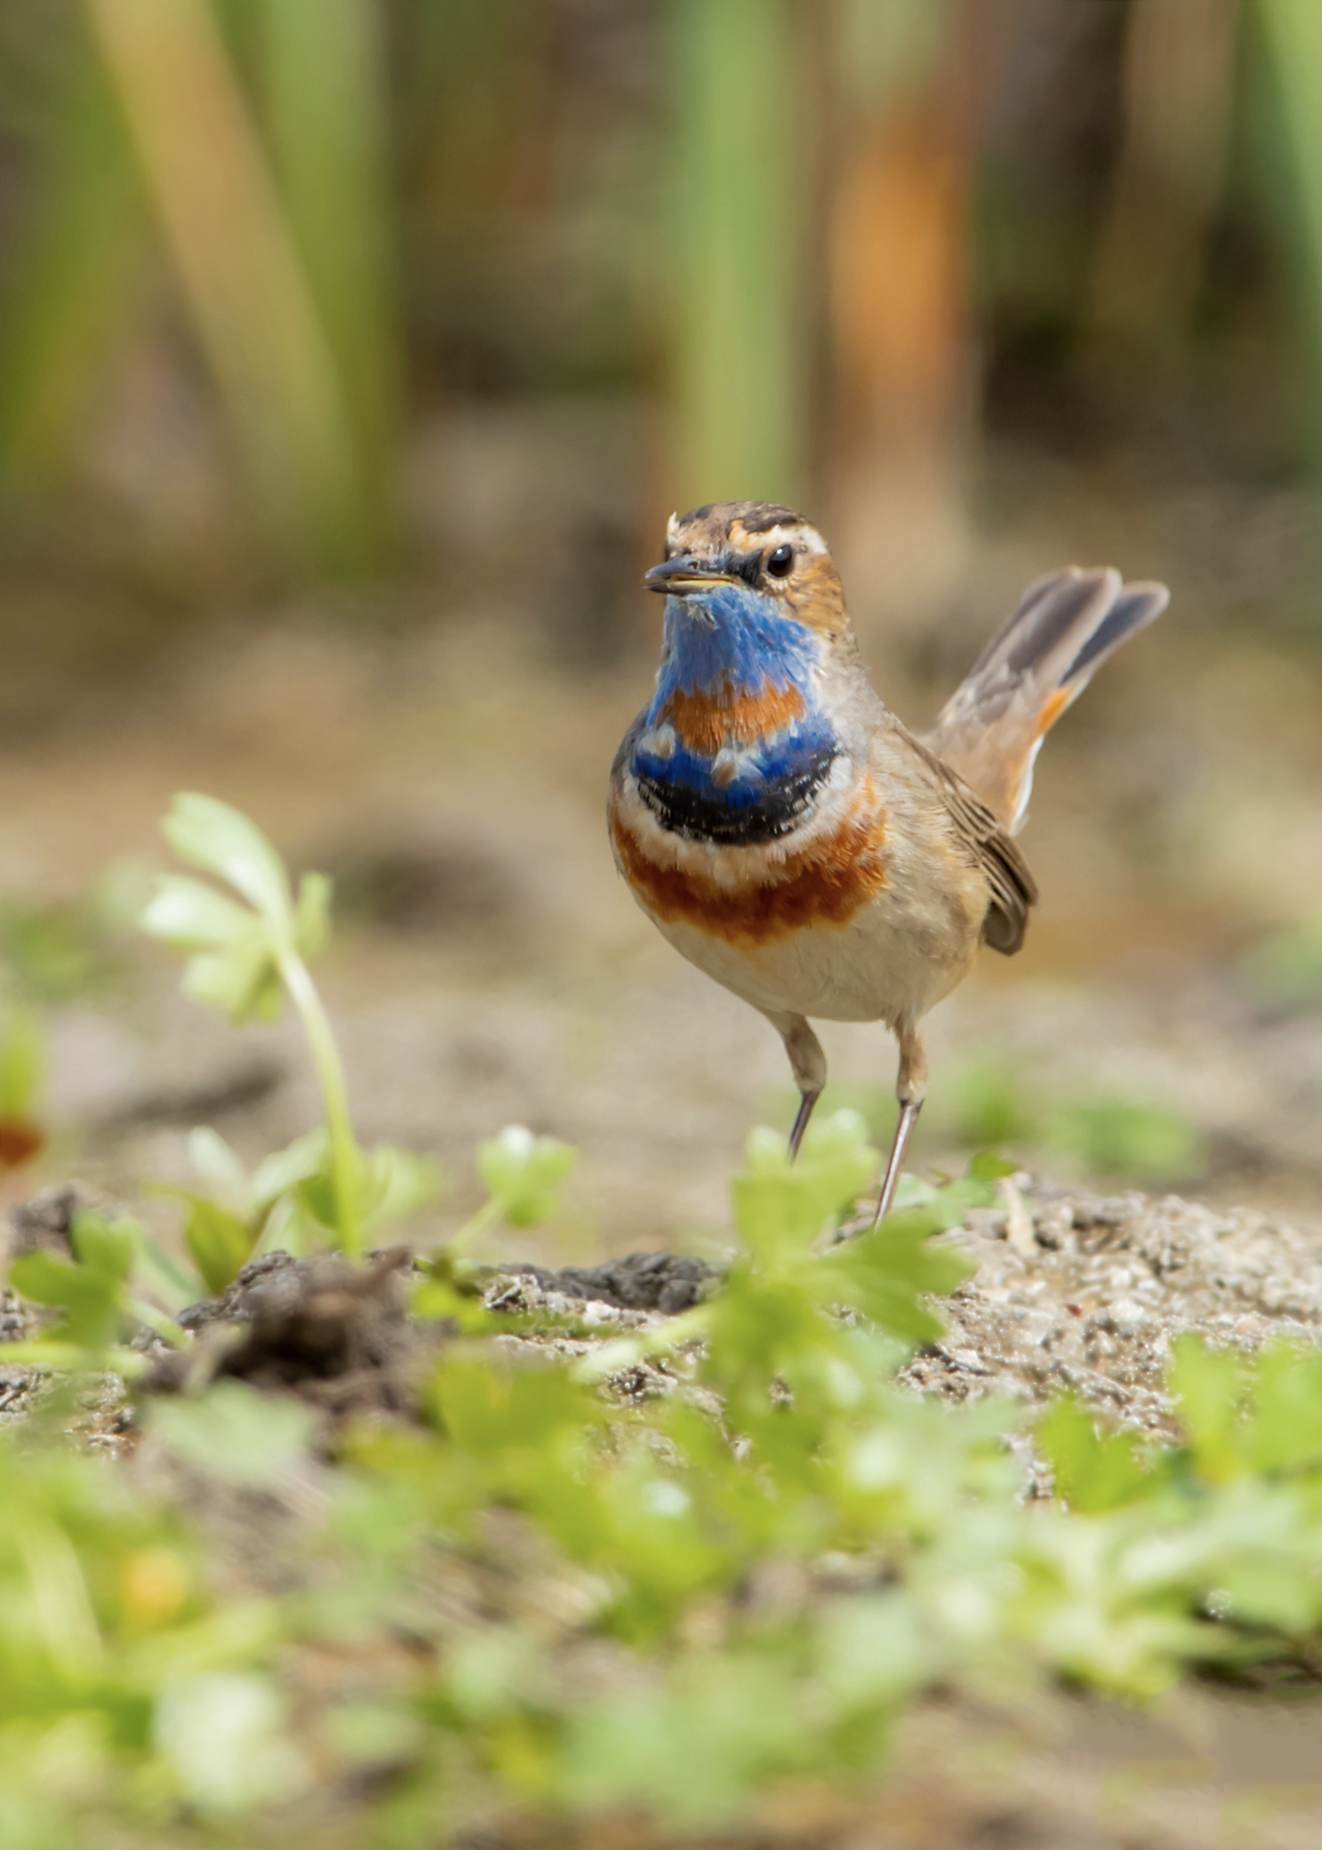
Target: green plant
{"x": 93, "y": 1290}
{"x": 243, "y": 954}
{"x": 1284, "y": 970}
{"x": 996, "y": 1101}
{"x": 243, "y": 951}
{"x": 1109, "y": 1134}
{"x": 129, "y": 1685}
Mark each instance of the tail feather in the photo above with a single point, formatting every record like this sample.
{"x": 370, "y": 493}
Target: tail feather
{"x": 1065, "y": 626}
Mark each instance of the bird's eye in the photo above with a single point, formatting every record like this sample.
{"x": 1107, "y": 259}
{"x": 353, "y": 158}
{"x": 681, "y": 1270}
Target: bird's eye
{"x": 781, "y": 562}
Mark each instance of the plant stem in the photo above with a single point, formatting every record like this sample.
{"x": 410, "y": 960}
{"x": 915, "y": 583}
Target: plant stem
{"x": 460, "y": 1244}
{"x": 159, "y": 1323}
{"x": 64, "y": 1358}
{"x": 346, "y": 1166}
{"x": 170, "y": 1277}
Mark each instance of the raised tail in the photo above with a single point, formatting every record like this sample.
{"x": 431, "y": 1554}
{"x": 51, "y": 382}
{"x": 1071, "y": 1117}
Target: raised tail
{"x": 993, "y": 725}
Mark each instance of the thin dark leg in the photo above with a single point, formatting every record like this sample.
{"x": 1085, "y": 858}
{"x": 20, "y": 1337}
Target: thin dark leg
{"x": 807, "y": 1100}
{"x": 807, "y": 1063}
{"x": 910, "y": 1089}
{"x": 903, "y": 1132}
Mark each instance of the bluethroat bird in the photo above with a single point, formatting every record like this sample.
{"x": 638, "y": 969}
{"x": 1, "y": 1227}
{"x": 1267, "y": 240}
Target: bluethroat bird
{"x": 790, "y": 836}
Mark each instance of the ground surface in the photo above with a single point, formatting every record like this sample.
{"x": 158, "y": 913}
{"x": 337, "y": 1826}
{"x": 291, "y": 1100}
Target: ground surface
{"x": 447, "y": 769}
{"x": 1071, "y": 1290}
{"x": 442, "y": 751}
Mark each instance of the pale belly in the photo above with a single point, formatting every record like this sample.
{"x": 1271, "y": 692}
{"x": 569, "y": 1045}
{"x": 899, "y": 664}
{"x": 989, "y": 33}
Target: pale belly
{"x": 880, "y": 966}
{"x": 867, "y": 912}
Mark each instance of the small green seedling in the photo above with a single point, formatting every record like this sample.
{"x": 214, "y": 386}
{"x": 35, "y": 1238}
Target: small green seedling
{"x": 243, "y": 952}
{"x": 524, "y": 1177}
{"x": 289, "y": 1198}
{"x": 93, "y": 1293}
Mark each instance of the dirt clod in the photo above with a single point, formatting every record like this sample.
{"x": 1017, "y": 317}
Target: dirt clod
{"x": 336, "y": 1333}
{"x": 45, "y": 1224}
{"x": 665, "y": 1282}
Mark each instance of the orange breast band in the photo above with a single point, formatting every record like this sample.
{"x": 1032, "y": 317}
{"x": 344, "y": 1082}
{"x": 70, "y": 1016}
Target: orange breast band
{"x": 825, "y": 883}
{"x": 707, "y": 722}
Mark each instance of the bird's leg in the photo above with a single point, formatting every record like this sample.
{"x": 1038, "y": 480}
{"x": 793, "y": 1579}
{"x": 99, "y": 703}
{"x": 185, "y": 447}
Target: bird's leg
{"x": 808, "y": 1064}
{"x": 807, "y": 1101}
{"x": 910, "y": 1089}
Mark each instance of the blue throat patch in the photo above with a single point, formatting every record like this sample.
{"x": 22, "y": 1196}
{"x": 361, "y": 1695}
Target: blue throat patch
{"x": 748, "y": 644}
{"x": 747, "y": 648}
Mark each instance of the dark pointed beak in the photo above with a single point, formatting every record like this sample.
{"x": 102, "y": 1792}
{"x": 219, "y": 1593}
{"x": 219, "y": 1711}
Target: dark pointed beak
{"x": 682, "y": 576}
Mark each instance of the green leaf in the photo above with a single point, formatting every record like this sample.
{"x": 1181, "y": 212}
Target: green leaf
{"x": 513, "y": 1419}
{"x": 524, "y": 1174}
{"x": 223, "y": 842}
{"x": 91, "y": 1290}
{"x": 1285, "y": 1428}
{"x": 780, "y": 1205}
{"x": 281, "y": 1173}
{"x": 887, "y": 1273}
{"x": 245, "y": 963}
{"x": 315, "y": 1195}
{"x": 236, "y": 1435}
{"x": 106, "y": 1247}
{"x": 217, "y": 1164}
{"x": 488, "y": 1671}
{"x": 1208, "y": 1385}
{"x": 243, "y": 980}
{"x": 398, "y": 1184}
{"x": 220, "y": 1242}
{"x": 990, "y": 1167}
{"x": 224, "y": 1735}
{"x": 1095, "y": 1469}
{"x": 192, "y": 916}
{"x": 90, "y": 1300}
{"x": 312, "y": 924}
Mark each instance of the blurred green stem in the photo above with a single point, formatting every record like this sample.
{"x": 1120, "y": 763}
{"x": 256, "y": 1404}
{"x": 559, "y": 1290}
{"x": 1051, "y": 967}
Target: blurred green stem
{"x": 205, "y": 173}
{"x": 160, "y": 1324}
{"x": 73, "y": 279}
{"x": 735, "y": 254}
{"x": 474, "y": 1229}
{"x": 346, "y": 1161}
{"x": 1293, "y": 35}
{"x": 324, "y": 86}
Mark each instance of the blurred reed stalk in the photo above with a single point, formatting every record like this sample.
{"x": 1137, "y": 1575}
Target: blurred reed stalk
{"x": 1178, "y": 80}
{"x": 1292, "y": 31}
{"x": 248, "y": 295}
{"x": 323, "y": 82}
{"x": 74, "y": 280}
{"x": 898, "y": 228}
{"x": 731, "y": 261}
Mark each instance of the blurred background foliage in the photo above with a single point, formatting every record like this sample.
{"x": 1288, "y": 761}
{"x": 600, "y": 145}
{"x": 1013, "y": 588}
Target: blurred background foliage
{"x": 256, "y": 253}
{"x": 352, "y": 353}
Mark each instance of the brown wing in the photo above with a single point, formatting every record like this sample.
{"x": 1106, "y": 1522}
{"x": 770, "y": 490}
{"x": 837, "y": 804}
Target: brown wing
{"x": 1013, "y": 888}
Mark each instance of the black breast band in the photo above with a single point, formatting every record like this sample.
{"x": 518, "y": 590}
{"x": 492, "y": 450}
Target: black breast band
{"x": 709, "y": 815}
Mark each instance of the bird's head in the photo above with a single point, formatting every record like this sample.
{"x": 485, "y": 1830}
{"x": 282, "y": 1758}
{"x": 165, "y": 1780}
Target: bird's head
{"x": 751, "y": 564}
{"x": 746, "y": 699}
